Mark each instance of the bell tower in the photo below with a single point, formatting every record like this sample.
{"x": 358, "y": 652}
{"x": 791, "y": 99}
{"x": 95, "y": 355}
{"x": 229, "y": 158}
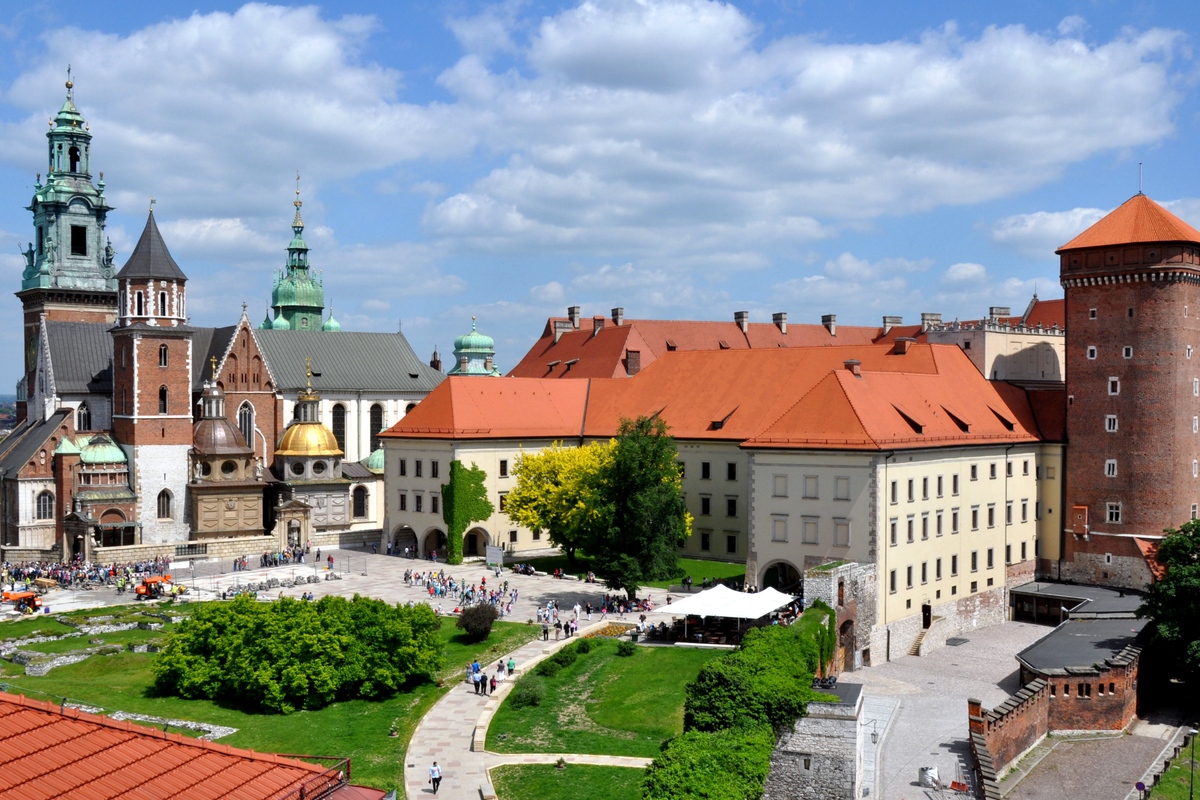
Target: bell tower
{"x": 298, "y": 297}
{"x": 68, "y": 274}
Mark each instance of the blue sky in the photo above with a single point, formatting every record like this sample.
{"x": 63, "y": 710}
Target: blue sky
{"x": 680, "y": 159}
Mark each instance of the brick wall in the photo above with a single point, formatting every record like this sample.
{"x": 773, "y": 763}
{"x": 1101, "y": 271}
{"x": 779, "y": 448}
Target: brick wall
{"x": 1015, "y": 726}
{"x": 1102, "y": 700}
{"x": 1018, "y": 572}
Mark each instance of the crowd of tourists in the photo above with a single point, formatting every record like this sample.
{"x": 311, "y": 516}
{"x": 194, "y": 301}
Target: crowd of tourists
{"x": 80, "y": 574}
{"x": 441, "y": 586}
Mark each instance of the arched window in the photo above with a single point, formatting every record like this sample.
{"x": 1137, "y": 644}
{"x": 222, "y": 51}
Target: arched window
{"x": 163, "y": 355}
{"x": 246, "y": 423}
{"x": 45, "y": 505}
{"x": 162, "y": 399}
{"x": 73, "y": 153}
{"x": 339, "y": 425}
{"x": 162, "y": 304}
{"x": 139, "y": 305}
{"x": 376, "y": 425}
{"x": 360, "y": 502}
{"x": 164, "y": 504}
{"x": 408, "y": 408}
{"x": 83, "y": 418}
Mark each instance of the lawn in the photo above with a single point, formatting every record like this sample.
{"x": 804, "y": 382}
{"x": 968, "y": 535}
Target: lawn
{"x": 1175, "y": 782}
{"x": 604, "y": 704}
{"x": 356, "y": 728}
{"x": 546, "y": 782}
{"x": 698, "y": 568}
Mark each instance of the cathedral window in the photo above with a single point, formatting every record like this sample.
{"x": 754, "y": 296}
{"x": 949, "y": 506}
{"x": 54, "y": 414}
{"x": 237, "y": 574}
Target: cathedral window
{"x": 83, "y": 418}
{"x": 78, "y": 240}
{"x": 164, "y": 504}
{"x": 246, "y": 423}
{"x": 162, "y": 399}
{"x": 45, "y": 505}
{"x": 139, "y": 304}
{"x": 360, "y": 502}
{"x": 376, "y": 425}
{"x": 73, "y": 154}
{"x": 339, "y": 426}
{"x": 162, "y": 304}
{"x": 163, "y": 355}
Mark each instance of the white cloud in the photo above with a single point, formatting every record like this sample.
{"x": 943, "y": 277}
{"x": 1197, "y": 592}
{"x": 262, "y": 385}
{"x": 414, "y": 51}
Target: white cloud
{"x": 551, "y": 292}
{"x": 965, "y": 274}
{"x": 847, "y": 266}
{"x": 1039, "y": 234}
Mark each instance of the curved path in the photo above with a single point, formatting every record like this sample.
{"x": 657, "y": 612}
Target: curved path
{"x": 453, "y": 733}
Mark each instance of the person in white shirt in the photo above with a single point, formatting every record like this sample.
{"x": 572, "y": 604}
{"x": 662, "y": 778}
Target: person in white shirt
{"x": 435, "y": 776}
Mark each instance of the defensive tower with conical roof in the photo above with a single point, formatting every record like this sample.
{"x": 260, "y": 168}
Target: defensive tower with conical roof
{"x": 298, "y": 296}
{"x": 68, "y": 272}
{"x": 1132, "y": 287}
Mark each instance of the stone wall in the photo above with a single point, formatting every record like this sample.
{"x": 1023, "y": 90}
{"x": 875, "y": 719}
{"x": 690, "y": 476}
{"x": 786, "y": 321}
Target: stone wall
{"x": 252, "y": 546}
{"x": 950, "y": 619}
{"x": 1112, "y": 562}
{"x": 820, "y": 758}
{"x": 849, "y": 589}
{"x": 18, "y": 555}
{"x": 348, "y": 539}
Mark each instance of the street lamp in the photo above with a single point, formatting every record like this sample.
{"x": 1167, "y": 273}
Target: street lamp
{"x": 1192, "y": 781}
{"x": 874, "y": 731}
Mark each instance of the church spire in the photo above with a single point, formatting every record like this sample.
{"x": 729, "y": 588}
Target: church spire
{"x": 298, "y": 297}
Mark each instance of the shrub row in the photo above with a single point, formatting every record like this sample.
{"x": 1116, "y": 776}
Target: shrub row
{"x": 723, "y": 765}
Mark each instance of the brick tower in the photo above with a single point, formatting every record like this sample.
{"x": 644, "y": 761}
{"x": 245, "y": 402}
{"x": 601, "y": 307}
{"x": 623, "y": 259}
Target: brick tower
{"x": 152, "y": 396}
{"x": 68, "y": 274}
{"x": 1132, "y": 286}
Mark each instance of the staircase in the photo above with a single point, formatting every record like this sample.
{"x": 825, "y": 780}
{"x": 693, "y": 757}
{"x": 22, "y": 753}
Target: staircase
{"x": 915, "y": 650}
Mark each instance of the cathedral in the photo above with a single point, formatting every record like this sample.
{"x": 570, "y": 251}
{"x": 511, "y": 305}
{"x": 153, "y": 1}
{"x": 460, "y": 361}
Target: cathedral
{"x": 140, "y": 434}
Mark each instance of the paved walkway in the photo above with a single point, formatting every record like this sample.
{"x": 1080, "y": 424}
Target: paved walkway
{"x": 452, "y": 733}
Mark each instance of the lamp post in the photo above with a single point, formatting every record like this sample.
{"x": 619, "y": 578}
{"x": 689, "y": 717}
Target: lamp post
{"x": 1192, "y": 763}
{"x": 874, "y": 731}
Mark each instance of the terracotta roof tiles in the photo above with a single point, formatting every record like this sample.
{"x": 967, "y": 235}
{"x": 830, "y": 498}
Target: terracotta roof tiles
{"x": 1138, "y": 219}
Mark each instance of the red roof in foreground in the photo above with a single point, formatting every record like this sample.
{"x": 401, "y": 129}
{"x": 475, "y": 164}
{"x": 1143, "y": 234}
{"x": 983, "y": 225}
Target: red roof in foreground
{"x": 47, "y": 751}
{"x": 1149, "y": 548}
{"x": 1138, "y": 219}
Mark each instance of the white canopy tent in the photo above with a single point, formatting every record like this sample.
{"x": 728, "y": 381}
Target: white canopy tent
{"x": 721, "y": 601}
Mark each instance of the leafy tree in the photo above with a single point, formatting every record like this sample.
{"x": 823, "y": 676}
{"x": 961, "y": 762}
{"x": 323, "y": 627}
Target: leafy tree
{"x": 721, "y": 765}
{"x": 1173, "y": 603}
{"x": 464, "y": 500}
{"x": 558, "y": 491}
{"x": 635, "y": 535}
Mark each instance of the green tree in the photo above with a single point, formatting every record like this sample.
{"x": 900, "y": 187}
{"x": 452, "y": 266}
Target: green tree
{"x": 558, "y": 491}
{"x": 1173, "y": 603}
{"x": 464, "y": 500}
{"x": 636, "y": 534}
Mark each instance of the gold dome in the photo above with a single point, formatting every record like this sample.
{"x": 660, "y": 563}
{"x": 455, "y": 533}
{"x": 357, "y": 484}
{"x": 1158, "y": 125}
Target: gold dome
{"x": 308, "y": 439}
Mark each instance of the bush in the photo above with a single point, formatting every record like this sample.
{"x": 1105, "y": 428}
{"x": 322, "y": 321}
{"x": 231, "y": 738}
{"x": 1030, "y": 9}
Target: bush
{"x": 768, "y": 681}
{"x": 528, "y": 692}
{"x": 477, "y": 621}
{"x": 548, "y": 668}
{"x": 722, "y": 765}
{"x": 565, "y": 657}
{"x": 287, "y": 655}
{"x": 583, "y": 646}
{"x": 626, "y": 648}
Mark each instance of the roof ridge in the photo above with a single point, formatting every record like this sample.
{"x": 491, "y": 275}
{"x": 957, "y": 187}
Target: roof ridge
{"x": 840, "y": 378}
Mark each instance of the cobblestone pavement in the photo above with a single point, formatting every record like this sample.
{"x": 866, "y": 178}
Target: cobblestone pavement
{"x": 1096, "y": 769}
{"x": 929, "y": 725}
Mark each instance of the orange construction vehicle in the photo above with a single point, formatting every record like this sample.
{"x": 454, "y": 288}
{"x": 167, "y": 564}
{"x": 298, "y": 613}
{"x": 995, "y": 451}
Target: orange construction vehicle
{"x": 153, "y": 587}
{"x": 25, "y": 602}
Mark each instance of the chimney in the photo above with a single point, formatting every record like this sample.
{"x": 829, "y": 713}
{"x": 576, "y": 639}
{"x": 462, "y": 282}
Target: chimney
{"x": 573, "y": 315}
{"x": 855, "y": 366}
{"x": 436, "y": 361}
{"x": 633, "y": 362}
{"x": 902, "y": 344}
{"x": 995, "y": 312}
{"x": 618, "y": 316}
{"x": 742, "y": 319}
{"x": 597, "y": 324}
{"x": 891, "y": 322}
{"x": 561, "y": 326}
{"x": 830, "y": 323}
{"x": 487, "y": 363}
{"x": 462, "y": 365}
{"x": 929, "y": 319}
{"x": 780, "y": 320}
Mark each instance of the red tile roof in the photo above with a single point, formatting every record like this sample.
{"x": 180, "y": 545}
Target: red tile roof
{"x": 1138, "y": 219}
{"x": 590, "y": 353}
{"x": 782, "y": 397}
{"x": 1047, "y": 313}
{"x": 1149, "y": 548}
{"x": 47, "y": 751}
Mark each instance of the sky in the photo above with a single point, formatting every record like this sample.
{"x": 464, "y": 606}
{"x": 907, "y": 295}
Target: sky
{"x": 681, "y": 159}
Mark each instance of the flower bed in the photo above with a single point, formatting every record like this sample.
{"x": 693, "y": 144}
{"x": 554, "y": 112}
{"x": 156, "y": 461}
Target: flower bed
{"x": 610, "y": 629}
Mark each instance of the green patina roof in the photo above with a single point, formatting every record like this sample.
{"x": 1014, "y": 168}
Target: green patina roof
{"x": 280, "y": 324}
{"x": 66, "y": 448}
{"x": 102, "y": 450}
{"x": 331, "y": 324}
{"x": 474, "y": 342}
{"x": 375, "y": 461}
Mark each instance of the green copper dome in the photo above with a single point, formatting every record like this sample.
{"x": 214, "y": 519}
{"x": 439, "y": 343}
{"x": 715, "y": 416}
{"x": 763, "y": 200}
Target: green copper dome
{"x": 474, "y": 342}
{"x": 66, "y": 448}
{"x": 331, "y": 324}
{"x": 102, "y": 450}
{"x": 375, "y": 461}
{"x": 280, "y": 324}
{"x": 266, "y": 323}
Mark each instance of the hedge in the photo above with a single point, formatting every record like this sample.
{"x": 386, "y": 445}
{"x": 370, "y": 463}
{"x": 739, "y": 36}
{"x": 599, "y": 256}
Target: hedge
{"x": 722, "y": 765}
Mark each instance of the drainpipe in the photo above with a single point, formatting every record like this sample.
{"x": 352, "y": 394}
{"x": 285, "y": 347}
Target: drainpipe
{"x": 885, "y": 546}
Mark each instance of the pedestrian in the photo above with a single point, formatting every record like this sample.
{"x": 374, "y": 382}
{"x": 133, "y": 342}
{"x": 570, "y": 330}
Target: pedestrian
{"x": 435, "y": 776}
{"x": 512, "y": 665}
{"x": 545, "y": 631}
{"x": 493, "y": 684}
{"x": 475, "y": 679}
{"x": 557, "y": 629}
{"x": 406, "y": 551}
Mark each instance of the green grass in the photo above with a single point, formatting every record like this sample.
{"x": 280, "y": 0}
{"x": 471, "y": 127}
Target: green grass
{"x": 135, "y": 636}
{"x": 604, "y": 704}
{"x": 698, "y": 568}
{"x": 38, "y": 626}
{"x": 1175, "y": 782}
{"x": 545, "y": 782}
{"x": 356, "y": 728}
